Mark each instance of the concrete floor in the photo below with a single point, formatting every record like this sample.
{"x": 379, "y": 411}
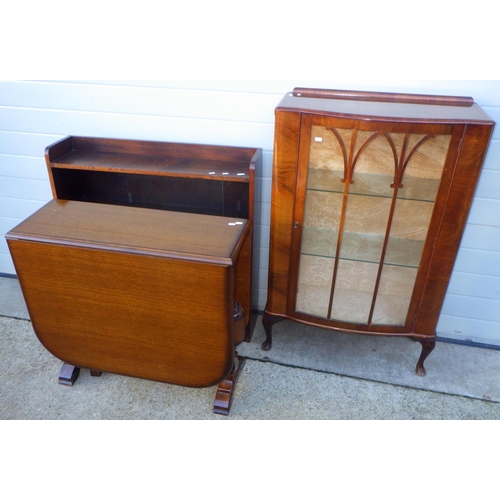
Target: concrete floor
{"x": 309, "y": 374}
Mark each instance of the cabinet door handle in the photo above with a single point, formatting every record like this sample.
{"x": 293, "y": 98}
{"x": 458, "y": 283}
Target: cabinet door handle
{"x": 296, "y": 225}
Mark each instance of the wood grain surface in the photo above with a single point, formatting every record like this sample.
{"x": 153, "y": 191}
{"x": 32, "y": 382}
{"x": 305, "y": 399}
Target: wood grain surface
{"x": 148, "y": 317}
{"x": 135, "y": 230}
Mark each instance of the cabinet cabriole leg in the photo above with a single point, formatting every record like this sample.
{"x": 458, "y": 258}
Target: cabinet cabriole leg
{"x": 225, "y": 389}
{"x": 68, "y": 374}
{"x": 427, "y": 347}
{"x": 268, "y": 321}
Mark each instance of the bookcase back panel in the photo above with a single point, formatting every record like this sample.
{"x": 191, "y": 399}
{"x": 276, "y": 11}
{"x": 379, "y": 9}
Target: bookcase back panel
{"x": 209, "y": 197}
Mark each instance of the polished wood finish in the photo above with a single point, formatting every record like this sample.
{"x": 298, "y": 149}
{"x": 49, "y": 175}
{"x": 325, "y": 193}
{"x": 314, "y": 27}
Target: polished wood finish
{"x": 356, "y": 95}
{"x": 151, "y": 309}
{"x": 142, "y": 263}
{"x": 155, "y": 233}
{"x": 427, "y": 347}
{"x": 225, "y": 390}
{"x": 396, "y": 112}
{"x": 190, "y": 178}
{"x": 370, "y": 198}
{"x": 139, "y": 165}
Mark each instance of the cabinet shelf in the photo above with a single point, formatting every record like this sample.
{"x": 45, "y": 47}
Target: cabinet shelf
{"x": 370, "y": 194}
{"x": 364, "y": 247}
{"x": 359, "y": 260}
{"x": 367, "y": 214}
{"x": 413, "y": 188}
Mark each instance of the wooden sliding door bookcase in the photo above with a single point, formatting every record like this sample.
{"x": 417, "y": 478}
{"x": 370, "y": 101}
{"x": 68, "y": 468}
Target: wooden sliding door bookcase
{"x": 370, "y": 198}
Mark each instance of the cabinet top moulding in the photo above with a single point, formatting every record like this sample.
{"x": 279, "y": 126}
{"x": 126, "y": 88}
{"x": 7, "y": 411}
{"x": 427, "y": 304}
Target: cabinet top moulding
{"x": 171, "y": 159}
{"x": 385, "y": 106}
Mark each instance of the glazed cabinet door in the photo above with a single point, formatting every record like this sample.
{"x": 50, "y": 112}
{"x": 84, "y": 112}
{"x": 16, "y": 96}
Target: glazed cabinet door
{"x": 368, "y": 199}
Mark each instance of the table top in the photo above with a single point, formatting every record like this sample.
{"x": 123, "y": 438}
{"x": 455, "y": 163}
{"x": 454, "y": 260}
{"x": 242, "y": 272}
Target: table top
{"x": 145, "y": 231}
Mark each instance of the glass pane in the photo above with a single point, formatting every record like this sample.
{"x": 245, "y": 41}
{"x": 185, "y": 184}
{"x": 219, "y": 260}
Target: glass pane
{"x": 377, "y": 168}
{"x": 366, "y": 217}
{"x": 315, "y": 283}
{"x": 318, "y": 250}
{"x": 374, "y": 163}
{"x": 394, "y": 294}
{"x": 354, "y": 288}
{"x": 424, "y": 170}
{"x": 425, "y": 156}
{"x": 408, "y": 232}
{"x": 323, "y": 208}
{"x": 365, "y": 226}
{"x": 327, "y": 159}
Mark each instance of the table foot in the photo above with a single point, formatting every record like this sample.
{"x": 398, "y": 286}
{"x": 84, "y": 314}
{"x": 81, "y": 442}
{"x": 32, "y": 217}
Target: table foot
{"x": 225, "y": 389}
{"x": 68, "y": 374}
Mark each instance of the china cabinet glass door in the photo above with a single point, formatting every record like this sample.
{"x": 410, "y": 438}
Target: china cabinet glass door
{"x": 368, "y": 204}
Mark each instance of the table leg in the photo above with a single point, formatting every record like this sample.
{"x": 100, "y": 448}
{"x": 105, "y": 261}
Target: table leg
{"x": 68, "y": 374}
{"x": 225, "y": 389}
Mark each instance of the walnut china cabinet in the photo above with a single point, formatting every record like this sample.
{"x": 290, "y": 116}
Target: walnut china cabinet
{"x": 371, "y": 192}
